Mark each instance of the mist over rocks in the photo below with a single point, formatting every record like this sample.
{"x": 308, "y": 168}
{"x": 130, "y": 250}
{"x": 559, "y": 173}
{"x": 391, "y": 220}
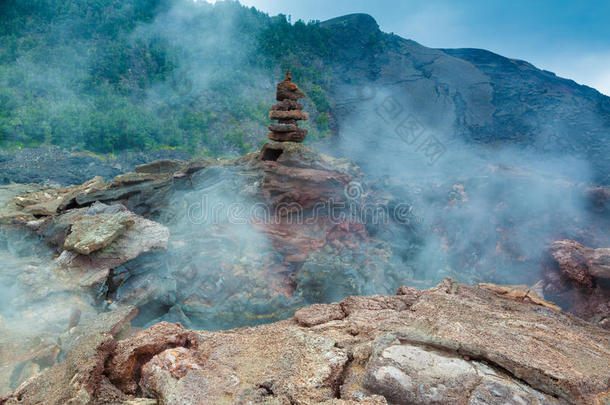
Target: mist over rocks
{"x": 420, "y": 164}
{"x": 205, "y": 259}
{"x": 197, "y": 259}
{"x": 577, "y": 277}
{"x": 460, "y": 96}
{"x": 54, "y": 165}
{"x": 165, "y": 86}
{"x": 449, "y": 344}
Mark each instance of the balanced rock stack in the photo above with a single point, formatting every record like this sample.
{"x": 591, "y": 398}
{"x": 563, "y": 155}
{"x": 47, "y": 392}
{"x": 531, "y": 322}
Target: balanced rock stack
{"x": 287, "y": 112}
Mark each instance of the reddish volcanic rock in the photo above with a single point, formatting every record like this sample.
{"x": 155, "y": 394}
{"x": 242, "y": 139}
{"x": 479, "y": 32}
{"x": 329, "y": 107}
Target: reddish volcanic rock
{"x": 286, "y": 90}
{"x": 283, "y": 184}
{"x": 124, "y": 367}
{"x": 288, "y": 115}
{"x": 296, "y": 136}
{"x": 576, "y": 277}
{"x": 298, "y": 175}
{"x": 287, "y": 112}
{"x": 451, "y": 344}
{"x": 572, "y": 260}
{"x": 169, "y": 367}
{"x": 287, "y": 105}
{"x": 317, "y": 314}
{"x": 301, "y": 187}
{"x": 77, "y": 380}
{"x": 284, "y": 128}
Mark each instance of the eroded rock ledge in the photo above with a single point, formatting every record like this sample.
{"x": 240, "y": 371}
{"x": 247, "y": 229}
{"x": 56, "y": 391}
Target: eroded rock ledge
{"x": 453, "y": 343}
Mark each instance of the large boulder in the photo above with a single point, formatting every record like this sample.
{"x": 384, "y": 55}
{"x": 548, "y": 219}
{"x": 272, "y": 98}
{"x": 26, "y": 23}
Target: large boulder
{"x": 92, "y": 233}
{"x": 580, "y": 263}
{"x": 577, "y": 278}
{"x": 411, "y": 374}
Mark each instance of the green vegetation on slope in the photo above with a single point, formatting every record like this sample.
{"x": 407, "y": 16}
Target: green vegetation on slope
{"x": 110, "y": 75}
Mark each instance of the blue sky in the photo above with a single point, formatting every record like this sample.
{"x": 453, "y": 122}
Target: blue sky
{"x": 570, "y": 38}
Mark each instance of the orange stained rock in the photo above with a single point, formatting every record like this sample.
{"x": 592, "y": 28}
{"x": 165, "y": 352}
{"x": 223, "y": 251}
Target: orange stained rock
{"x": 520, "y": 292}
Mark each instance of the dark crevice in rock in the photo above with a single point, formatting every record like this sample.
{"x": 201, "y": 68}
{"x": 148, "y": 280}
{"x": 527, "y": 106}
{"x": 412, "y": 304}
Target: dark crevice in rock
{"x": 71, "y": 205}
{"x": 154, "y": 309}
{"x": 267, "y": 387}
{"x": 498, "y": 368}
{"x": 271, "y": 154}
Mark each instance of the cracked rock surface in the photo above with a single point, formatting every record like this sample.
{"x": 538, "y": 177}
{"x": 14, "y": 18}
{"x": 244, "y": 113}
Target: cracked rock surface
{"x": 451, "y": 344}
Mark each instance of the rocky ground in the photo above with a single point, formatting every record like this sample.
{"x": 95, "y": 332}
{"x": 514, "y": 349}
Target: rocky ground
{"x": 55, "y": 165}
{"x": 96, "y": 275}
{"x": 452, "y": 343}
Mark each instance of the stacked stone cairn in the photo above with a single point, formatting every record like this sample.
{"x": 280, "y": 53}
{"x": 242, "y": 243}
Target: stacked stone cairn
{"x": 287, "y": 112}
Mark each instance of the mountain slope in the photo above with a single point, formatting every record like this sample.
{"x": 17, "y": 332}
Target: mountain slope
{"x": 141, "y": 74}
{"x": 468, "y": 94}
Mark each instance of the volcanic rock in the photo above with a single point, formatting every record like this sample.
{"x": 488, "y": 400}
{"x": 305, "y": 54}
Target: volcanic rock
{"x": 160, "y": 167}
{"x": 287, "y": 112}
{"x": 124, "y": 367}
{"x": 411, "y": 374}
{"x": 294, "y": 155}
{"x": 317, "y": 314}
{"x": 576, "y": 277}
{"x": 50, "y": 201}
{"x": 166, "y": 370}
{"x": 50, "y": 292}
{"x": 286, "y": 90}
{"x": 22, "y": 355}
{"x": 284, "y": 127}
{"x": 303, "y": 177}
{"x": 271, "y": 253}
{"x": 206, "y": 286}
{"x": 453, "y": 343}
{"x": 74, "y": 381}
{"x": 97, "y": 239}
{"x": 287, "y": 105}
{"x": 91, "y": 233}
{"x": 288, "y": 115}
{"x": 142, "y": 193}
{"x": 296, "y": 136}
{"x": 580, "y": 263}
{"x": 87, "y": 347}
{"x": 91, "y": 270}
{"x": 106, "y": 323}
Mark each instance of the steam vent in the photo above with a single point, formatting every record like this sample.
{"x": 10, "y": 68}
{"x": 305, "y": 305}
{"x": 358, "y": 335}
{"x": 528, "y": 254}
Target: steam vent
{"x": 287, "y": 112}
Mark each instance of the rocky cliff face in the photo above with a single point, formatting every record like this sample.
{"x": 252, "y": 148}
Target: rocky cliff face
{"x": 450, "y": 344}
{"x": 468, "y": 95}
